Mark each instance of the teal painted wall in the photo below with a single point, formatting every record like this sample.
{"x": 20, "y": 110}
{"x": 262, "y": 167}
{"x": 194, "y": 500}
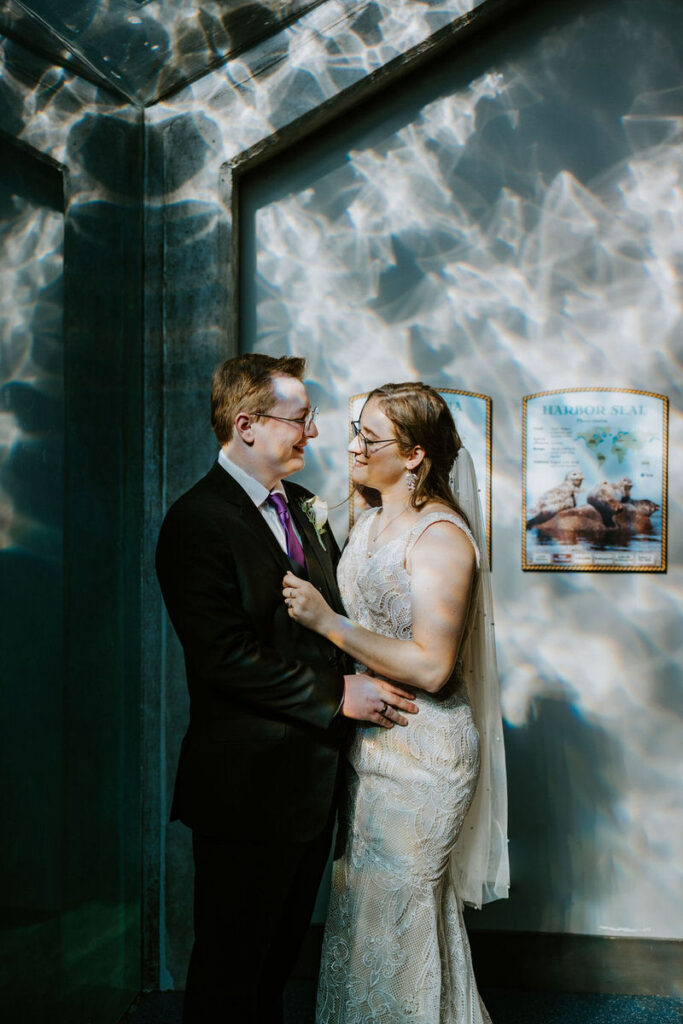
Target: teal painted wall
{"x": 71, "y": 860}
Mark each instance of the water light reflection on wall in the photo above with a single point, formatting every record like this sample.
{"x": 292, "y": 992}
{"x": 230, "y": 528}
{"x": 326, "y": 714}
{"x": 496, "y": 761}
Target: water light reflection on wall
{"x": 506, "y": 223}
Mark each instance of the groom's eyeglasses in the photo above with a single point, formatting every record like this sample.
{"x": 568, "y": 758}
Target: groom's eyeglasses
{"x": 305, "y": 422}
{"x": 364, "y": 442}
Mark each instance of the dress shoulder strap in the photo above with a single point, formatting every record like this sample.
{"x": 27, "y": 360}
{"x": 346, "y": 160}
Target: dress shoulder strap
{"x": 439, "y": 516}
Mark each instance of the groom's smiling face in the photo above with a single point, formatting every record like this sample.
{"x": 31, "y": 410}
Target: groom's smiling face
{"x": 278, "y": 443}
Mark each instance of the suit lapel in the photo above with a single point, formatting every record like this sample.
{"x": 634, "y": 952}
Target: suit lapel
{"x": 318, "y": 561}
{"x": 249, "y": 514}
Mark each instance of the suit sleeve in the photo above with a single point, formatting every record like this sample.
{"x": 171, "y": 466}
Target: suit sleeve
{"x": 223, "y": 651}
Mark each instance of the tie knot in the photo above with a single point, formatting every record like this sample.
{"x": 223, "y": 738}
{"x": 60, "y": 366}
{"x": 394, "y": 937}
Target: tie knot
{"x": 279, "y": 503}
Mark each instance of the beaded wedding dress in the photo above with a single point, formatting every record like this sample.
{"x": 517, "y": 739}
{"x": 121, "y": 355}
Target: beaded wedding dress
{"x": 395, "y": 949}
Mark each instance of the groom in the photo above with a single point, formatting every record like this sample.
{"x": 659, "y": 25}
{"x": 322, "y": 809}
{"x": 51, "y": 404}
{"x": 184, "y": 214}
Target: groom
{"x": 258, "y": 769}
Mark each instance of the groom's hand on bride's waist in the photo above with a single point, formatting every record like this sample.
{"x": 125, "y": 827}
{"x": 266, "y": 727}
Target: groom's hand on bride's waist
{"x": 369, "y": 699}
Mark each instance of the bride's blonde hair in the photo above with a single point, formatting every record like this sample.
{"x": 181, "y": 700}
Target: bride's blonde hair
{"x": 421, "y": 417}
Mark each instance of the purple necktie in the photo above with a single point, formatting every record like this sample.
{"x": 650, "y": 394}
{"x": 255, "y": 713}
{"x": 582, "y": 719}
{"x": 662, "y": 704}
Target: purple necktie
{"x": 294, "y": 549}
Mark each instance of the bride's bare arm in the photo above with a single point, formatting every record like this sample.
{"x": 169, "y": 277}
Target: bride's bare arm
{"x": 442, "y": 566}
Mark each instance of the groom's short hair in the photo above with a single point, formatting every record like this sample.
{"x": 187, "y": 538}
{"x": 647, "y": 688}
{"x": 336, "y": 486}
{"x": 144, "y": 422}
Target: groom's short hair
{"x": 244, "y": 384}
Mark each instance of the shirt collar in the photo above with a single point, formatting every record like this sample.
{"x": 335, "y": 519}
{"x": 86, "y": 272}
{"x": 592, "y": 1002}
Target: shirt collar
{"x": 256, "y": 491}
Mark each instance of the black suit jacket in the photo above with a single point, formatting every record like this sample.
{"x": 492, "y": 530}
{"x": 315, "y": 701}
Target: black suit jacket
{"x": 259, "y": 759}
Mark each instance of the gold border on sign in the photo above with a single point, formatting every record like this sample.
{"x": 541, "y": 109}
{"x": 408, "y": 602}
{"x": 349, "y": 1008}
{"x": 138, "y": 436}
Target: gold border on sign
{"x": 529, "y": 567}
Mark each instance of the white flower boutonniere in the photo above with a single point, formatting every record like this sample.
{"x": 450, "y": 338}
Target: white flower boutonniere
{"x": 316, "y": 512}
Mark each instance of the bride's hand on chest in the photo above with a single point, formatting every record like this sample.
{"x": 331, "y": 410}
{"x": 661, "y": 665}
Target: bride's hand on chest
{"x": 305, "y": 604}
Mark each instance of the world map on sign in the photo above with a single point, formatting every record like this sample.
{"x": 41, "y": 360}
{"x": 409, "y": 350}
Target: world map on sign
{"x": 623, "y": 443}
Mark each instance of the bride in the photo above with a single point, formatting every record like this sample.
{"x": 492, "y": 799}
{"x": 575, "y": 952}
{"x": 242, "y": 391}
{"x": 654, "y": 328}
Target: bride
{"x": 423, "y": 823}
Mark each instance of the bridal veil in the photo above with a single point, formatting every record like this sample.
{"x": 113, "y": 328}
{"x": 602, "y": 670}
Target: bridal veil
{"x": 479, "y": 863}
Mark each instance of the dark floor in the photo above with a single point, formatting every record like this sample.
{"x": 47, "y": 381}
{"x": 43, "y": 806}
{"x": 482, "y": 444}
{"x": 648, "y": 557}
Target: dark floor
{"x": 505, "y": 1007}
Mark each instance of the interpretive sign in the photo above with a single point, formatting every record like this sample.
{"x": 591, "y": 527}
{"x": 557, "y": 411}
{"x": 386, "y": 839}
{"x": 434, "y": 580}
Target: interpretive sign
{"x": 594, "y": 480}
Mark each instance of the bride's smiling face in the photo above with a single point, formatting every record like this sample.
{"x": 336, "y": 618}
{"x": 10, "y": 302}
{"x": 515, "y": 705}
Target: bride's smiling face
{"x": 377, "y": 461}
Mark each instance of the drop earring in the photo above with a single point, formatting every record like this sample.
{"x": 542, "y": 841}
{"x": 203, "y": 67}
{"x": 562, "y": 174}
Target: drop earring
{"x": 410, "y": 480}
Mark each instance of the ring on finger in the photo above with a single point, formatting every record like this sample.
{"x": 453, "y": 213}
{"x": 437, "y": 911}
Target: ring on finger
{"x": 383, "y": 709}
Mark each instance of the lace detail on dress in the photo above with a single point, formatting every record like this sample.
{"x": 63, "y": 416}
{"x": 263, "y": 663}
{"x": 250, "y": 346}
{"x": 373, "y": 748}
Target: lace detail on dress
{"x": 395, "y": 948}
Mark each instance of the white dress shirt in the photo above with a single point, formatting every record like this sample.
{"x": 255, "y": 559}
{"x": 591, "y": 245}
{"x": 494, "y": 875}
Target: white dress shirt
{"x": 259, "y": 495}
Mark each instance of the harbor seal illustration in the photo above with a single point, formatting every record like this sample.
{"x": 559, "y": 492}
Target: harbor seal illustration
{"x": 634, "y": 516}
{"x": 556, "y": 499}
{"x": 604, "y": 495}
{"x": 570, "y": 525}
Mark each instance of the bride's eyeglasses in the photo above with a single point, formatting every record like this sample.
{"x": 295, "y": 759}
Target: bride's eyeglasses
{"x": 305, "y": 422}
{"x": 364, "y": 442}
